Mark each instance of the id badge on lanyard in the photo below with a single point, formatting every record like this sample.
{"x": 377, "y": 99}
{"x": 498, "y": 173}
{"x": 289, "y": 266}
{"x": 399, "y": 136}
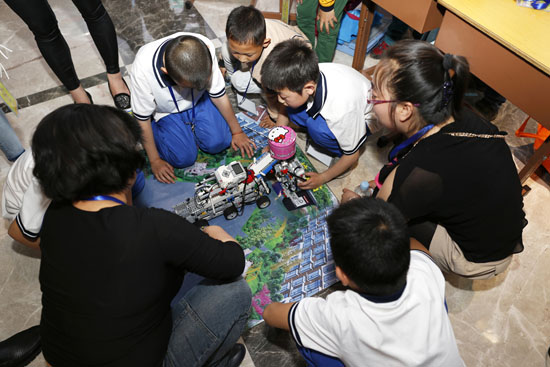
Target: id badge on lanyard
{"x": 192, "y": 123}
{"x": 392, "y": 155}
{"x": 245, "y": 103}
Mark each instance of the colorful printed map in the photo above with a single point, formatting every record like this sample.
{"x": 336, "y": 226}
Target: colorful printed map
{"x": 288, "y": 253}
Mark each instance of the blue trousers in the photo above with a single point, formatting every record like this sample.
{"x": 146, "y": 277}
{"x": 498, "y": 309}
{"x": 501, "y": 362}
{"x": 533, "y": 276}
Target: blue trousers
{"x": 317, "y": 129}
{"x": 139, "y": 184}
{"x": 318, "y": 359}
{"x": 9, "y": 142}
{"x": 207, "y": 321}
{"x": 178, "y": 135}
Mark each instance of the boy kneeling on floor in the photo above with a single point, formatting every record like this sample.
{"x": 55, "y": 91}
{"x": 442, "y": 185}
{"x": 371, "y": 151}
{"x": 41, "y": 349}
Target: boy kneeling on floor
{"x": 329, "y": 100}
{"x": 394, "y": 311}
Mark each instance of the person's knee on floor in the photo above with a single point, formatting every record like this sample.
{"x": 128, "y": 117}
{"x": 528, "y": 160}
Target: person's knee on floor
{"x": 181, "y": 158}
{"x": 208, "y": 320}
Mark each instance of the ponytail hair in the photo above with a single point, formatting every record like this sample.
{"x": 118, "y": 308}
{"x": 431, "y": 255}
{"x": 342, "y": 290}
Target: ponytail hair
{"x": 418, "y": 72}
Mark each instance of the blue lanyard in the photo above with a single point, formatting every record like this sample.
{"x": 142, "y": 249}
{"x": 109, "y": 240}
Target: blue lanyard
{"x": 413, "y": 139}
{"x": 249, "y": 80}
{"x": 192, "y": 101}
{"x": 105, "y": 197}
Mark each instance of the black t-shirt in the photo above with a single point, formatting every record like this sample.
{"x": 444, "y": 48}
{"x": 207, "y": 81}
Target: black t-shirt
{"x": 469, "y": 185}
{"x": 108, "y": 277}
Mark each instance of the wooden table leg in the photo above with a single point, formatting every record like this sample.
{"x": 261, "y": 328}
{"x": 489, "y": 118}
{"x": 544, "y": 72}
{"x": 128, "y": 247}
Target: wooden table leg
{"x": 365, "y": 24}
{"x": 284, "y": 5}
{"x": 283, "y": 14}
{"x": 534, "y": 162}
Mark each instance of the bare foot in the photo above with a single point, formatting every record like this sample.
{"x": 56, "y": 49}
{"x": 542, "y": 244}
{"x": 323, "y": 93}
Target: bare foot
{"x": 79, "y": 95}
{"x": 116, "y": 85}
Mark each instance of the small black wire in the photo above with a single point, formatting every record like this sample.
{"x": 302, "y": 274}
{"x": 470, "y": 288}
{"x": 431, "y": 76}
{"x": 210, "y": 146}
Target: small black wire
{"x": 244, "y": 197}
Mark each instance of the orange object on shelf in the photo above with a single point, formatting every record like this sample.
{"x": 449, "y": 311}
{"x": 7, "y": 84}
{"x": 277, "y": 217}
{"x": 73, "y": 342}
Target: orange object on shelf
{"x": 541, "y": 135}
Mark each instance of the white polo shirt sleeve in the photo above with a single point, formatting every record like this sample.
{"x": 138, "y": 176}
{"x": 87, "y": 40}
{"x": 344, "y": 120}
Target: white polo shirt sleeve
{"x": 23, "y": 198}
{"x": 312, "y": 325}
{"x": 350, "y": 131}
{"x": 35, "y": 204}
{"x": 423, "y": 265}
{"x": 346, "y": 110}
{"x": 143, "y": 100}
{"x": 217, "y": 84}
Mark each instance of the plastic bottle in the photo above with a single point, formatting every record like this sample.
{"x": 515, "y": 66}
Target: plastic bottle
{"x": 364, "y": 189}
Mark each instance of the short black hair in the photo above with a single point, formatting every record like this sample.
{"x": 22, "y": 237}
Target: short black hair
{"x": 82, "y": 150}
{"x": 291, "y": 64}
{"x": 188, "y": 60}
{"x": 246, "y": 24}
{"x": 370, "y": 243}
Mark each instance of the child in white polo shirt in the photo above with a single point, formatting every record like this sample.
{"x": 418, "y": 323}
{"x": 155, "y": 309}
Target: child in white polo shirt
{"x": 169, "y": 79}
{"x": 23, "y": 201}
{"x": 329, "y": 100}
{"x": 250, "y": 39}
{"x": 393, "y": 313}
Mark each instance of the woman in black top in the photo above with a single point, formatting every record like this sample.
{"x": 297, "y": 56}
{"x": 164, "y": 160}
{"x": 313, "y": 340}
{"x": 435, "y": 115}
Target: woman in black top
{"x": 109, "y": 270}
{"x": 453, "y": 177}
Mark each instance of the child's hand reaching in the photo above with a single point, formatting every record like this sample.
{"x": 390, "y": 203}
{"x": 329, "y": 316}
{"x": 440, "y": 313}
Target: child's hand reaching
{"x": 163, "y": 171}
{"x": 241, "y": 142}
{"x": 314, "y": 181}
{"x": 348, "y": 195}
{"x": 267, "y": 122}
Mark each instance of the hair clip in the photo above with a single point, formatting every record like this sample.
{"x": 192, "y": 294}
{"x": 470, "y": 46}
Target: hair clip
{"x": 447, "y": 93}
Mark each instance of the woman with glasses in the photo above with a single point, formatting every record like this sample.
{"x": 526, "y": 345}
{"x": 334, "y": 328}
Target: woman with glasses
{"x": 453, "y": 177}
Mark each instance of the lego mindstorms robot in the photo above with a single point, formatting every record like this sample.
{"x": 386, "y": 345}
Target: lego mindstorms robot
{"x": 232, "y": 186}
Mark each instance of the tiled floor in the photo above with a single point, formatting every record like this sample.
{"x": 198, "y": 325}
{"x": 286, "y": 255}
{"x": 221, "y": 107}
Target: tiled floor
{"x": 500, "y": 322}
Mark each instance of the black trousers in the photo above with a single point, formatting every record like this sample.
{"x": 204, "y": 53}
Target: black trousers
{"x": 41, "y": 20}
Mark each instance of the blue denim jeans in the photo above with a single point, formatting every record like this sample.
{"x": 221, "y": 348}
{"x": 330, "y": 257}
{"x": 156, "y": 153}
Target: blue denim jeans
{"x": 207, "y": 321}
{"x": 9, "y": 142}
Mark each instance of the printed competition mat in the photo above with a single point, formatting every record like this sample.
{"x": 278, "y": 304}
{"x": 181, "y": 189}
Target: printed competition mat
{"x": 287, "y": 252}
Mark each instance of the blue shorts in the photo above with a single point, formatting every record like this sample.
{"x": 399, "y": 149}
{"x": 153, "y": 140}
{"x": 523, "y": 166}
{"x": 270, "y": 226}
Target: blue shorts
{"x": 317, "y": 129}
{"x": 139, "y": 184}
{"x": 318, "y": 359}
{"x": 178, "y": 137}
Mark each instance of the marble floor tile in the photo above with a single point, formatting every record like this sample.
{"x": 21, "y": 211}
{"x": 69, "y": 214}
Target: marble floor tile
{"x": 499, "y": 322}
{"x": 141, "y": 21}
{"x": 215, "y": 13}
{"x": 34, "y": 75}
{"x": 19, "y": 289}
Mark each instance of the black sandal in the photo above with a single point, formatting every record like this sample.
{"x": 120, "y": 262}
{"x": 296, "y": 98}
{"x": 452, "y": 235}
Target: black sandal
{"x": 122, "y": 100}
